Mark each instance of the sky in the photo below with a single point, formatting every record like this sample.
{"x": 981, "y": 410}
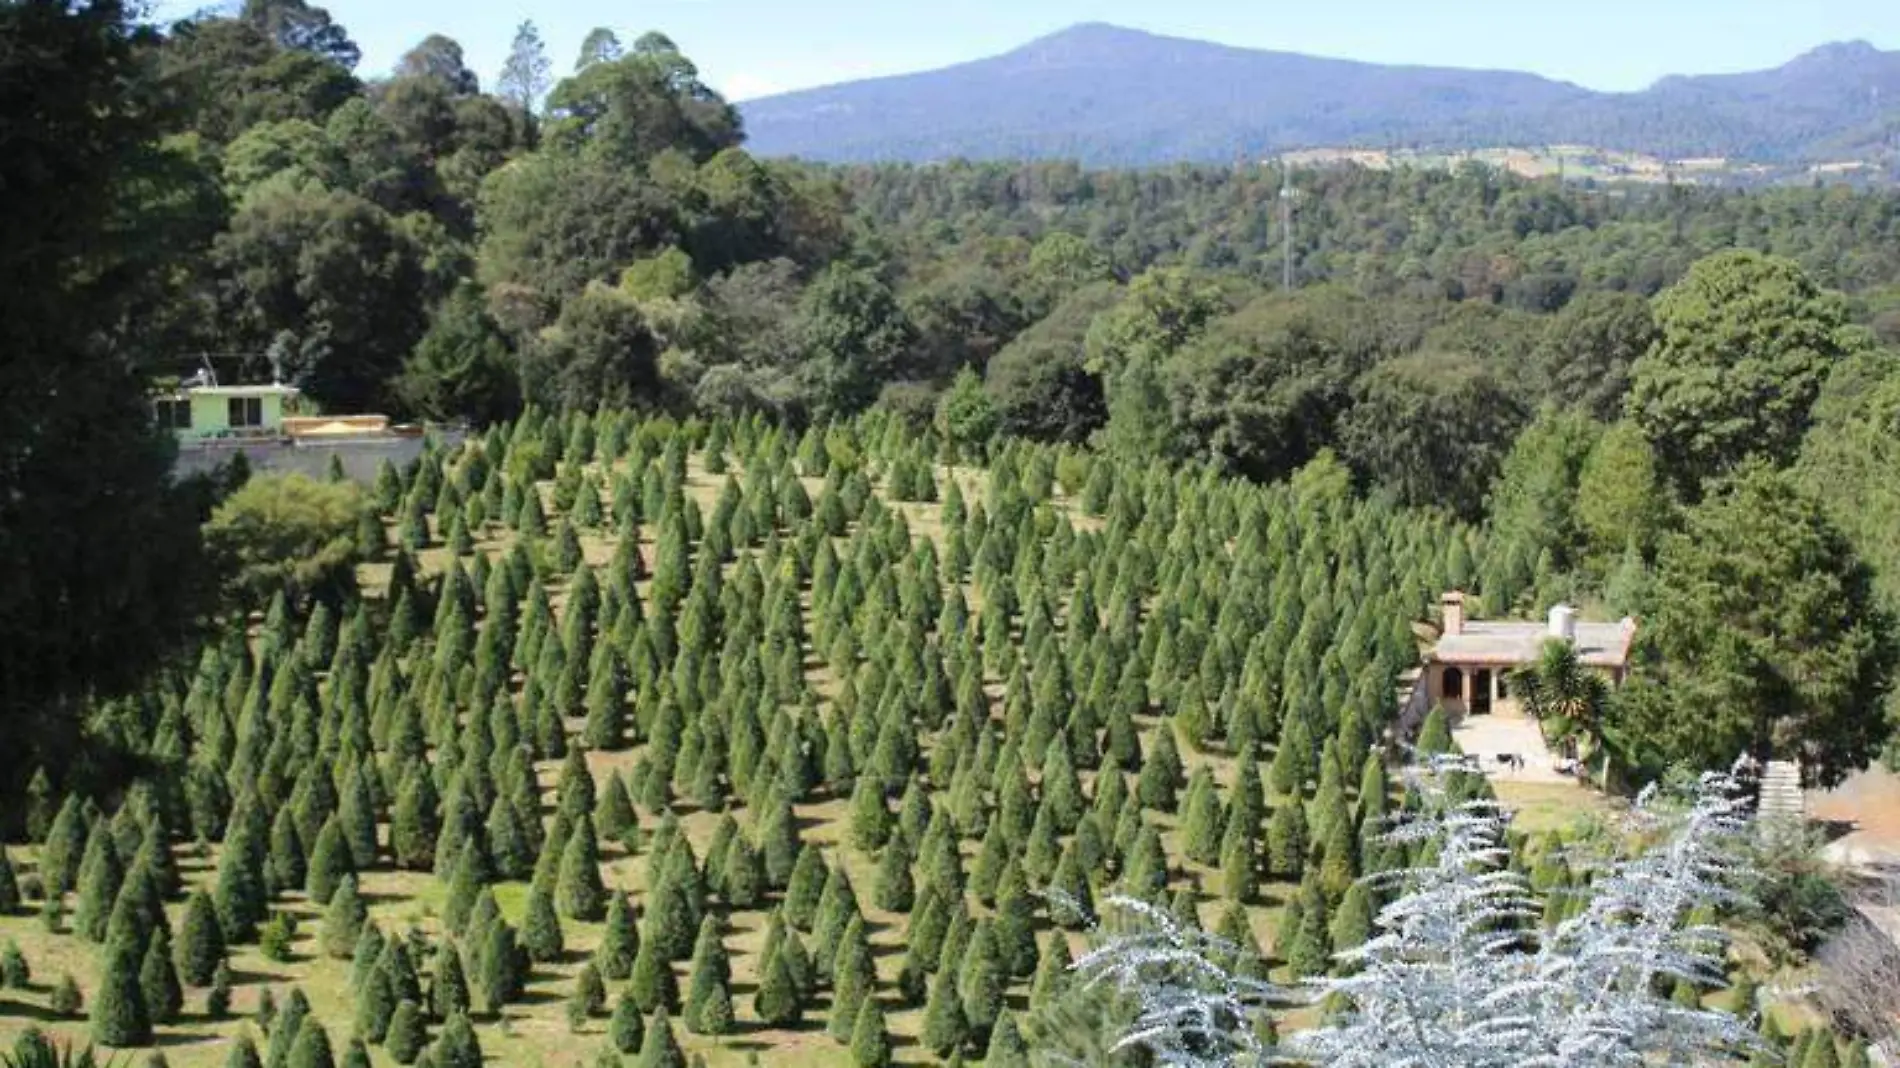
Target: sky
{"x": 749, "y": 48}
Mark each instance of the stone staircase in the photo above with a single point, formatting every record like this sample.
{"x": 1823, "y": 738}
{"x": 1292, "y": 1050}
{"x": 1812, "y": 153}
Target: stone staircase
{"x": 1781, "y": 796}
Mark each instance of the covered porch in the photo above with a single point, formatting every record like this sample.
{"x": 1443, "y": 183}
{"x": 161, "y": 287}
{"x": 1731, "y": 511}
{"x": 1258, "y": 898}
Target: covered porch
{"x": 1474, "y": 689}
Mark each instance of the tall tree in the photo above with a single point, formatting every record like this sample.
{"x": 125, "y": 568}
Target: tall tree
{"x": 1744, "y": 343}
{"x": 440, "y": 58}
{"x": 102, "y": 545}
{"x": 1766, "y": 638}
{"x": 601, "y": 45}
{"x": 299, "y": 27}
{"x": 527, "y": 73}
{"x": 1434, "y": 427}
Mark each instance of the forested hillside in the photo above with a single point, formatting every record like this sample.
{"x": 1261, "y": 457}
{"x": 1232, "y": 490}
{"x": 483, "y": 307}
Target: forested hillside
{"x": 1118, "y": 97}
{"x": 839, "y": 560}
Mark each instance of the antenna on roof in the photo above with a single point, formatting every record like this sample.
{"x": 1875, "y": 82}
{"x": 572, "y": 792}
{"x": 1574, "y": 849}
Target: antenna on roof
{"x": 275, "y": 354}
{"x": 205, "y": 376}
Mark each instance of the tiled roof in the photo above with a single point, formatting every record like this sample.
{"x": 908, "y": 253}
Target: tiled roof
{"x": 1514, "y": 642}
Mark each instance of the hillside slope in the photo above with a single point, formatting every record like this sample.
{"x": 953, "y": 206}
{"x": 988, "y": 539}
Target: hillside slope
{"x": 1113, "y": 96}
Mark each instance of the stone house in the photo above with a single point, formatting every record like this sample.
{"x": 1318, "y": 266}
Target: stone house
{"x": 1469, "y": 668}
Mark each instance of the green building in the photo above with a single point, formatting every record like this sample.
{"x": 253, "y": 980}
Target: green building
{"x": 202, "y": 413}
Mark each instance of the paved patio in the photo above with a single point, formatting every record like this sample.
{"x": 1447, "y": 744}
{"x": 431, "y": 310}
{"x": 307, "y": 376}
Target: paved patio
{"x": 1491, "y": 737}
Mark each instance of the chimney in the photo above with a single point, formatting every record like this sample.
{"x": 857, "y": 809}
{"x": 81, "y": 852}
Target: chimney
{"x": 1563, "y": 623}
{"x": 1451, "y": 608}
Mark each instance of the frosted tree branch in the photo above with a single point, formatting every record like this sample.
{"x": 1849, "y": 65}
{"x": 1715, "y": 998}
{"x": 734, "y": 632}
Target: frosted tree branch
{"x": 1459, "y": 973}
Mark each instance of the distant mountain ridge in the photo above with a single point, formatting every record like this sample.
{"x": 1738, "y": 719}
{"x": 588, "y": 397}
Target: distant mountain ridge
{"x": 1112, "y": 96}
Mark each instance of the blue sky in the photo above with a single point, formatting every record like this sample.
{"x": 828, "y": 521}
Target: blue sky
{"x": 748, "y": 48}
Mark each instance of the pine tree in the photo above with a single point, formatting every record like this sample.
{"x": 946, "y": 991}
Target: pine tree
{"x": 870, "y": 818}
{"x": 1434, "y": 736}
{"x": 580, "y": 894}
{"x": 465, "y": 887}
{"x": 243, "y": 1053}
{"x": 278, "y": 937}
{"x": 805, "y": 889}
{"x": 200, "y": 941}
{"x": 945, "y": 1027}
{"x": 708, "y": 1001}
{"x": 660, "y": 1049}
{"x": 14, "y": 970}
{"x": 65, "y": 1001}
{"x": 218, "y": 997}
{"x": 652, "y": 983}
{"x": 541, "y": 932}
{"x": 413, "y": 826}
{"x": 119, "y": 1015}
{"x": 620, "y": 942}
{"x": 9, "y": 885}
{"x": 1239, "y": 878}
{"x": 613, "y": 812}
{"x": 589, "y": 997}
{"x": 895, "y": 891}
{"x": 853, "y": 978}
{"x": 870, "y": 1042}
{"x": 312, "y": 1048}
{"x": 448, "y": 990}
{"x": 1308, "y": 954}
{"x": 1352, "y": 923}
{"x": 1201, "y": 822}
{"x": 64, "y": 849}
{"x": 100, "y": 876}
{"x": 1013, "y": 928}
{"x": 626, "y": 1029}
{"x": 457, "y": 1047}
{"x": 1071, "y": 902}
{"x": 330, "y": 863}
{"x": 1007, "y": 1048}
{"x": 1286, "y": 840}
{"x": 777, "y": 1002}
{"x": 375, "y": 1005}
{"x": 501, "y": 972}
{"x": 343, "y": 920}
{"x": 158, "y": 979}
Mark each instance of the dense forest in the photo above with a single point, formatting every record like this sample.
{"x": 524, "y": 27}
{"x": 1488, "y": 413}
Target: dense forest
{"x": 839, "y": 560}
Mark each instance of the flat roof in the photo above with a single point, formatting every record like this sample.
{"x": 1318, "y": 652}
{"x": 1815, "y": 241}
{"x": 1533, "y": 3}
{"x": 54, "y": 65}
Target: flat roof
{"x": 1518, "y": 642}
{"x": 243, "y": 391}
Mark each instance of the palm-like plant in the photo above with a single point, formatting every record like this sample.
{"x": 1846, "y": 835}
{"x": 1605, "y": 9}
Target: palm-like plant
{"x": 1568, "y": 699}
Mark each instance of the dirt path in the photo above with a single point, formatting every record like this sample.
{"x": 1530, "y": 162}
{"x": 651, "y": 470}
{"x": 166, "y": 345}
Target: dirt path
{"x": 1867, "y": 805}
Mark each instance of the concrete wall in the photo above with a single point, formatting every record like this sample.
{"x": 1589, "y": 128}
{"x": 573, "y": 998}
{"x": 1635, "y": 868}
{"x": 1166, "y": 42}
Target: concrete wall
{"x": 362, "y": 457}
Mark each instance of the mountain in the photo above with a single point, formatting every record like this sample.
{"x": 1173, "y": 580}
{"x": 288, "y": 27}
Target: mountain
{"x": 1106, "y": 95}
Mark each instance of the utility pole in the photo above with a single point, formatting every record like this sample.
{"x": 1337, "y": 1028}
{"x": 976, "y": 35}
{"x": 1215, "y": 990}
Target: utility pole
{"x": 1287, "y": 196}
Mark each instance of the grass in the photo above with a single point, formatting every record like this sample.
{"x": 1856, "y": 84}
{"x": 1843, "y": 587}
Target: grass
{"x": 1544, "y": 808}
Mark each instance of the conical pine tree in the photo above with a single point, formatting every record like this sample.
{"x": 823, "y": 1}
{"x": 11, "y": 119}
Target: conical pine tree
{"x": 457, "y": 1046}
{"x": 660, "y": 1048}
{"x": 777, "y": 1002}
{"x": 626, "y": 1028}
{"x": 870, "y": 1041}
{"x": 580, "y": 894}
{"x": 158, "y": 979}
{"x": 200, "y": 940}
{"x": 119, "y": 1015}
{"x": 708, "y": 999}
{"x": 541, "y": 933}
{"x": 343, "y": 920}
{"x": 620, "y": 942}
{"x": 652, "y": 984}
{"x": 945, "y": 1027}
